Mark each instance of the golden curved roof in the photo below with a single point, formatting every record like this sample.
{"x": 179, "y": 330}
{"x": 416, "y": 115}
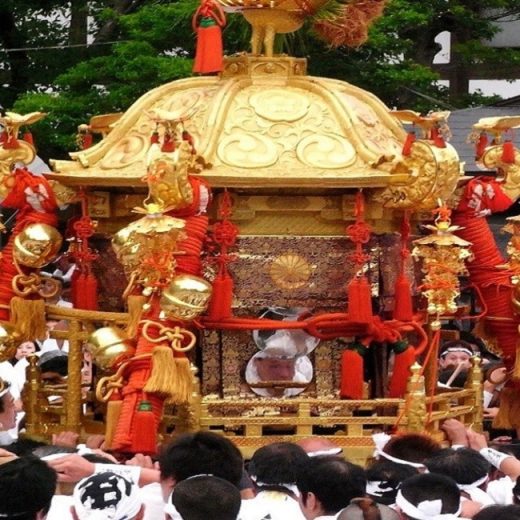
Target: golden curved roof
{"x": 262, "y": 123}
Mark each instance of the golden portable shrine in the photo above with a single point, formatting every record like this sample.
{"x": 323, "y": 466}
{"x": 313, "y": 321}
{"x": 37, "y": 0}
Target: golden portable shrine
{"x": 246, "y": 258}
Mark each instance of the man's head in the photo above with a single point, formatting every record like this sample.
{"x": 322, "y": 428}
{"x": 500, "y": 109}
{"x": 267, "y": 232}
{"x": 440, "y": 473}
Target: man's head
{"x": 454, "y": 353}
{"x": 319, "y": 446}
{"x": 384, "y": 478}
{"x": 328, "y": 484}
{"x": 274, "y": 368}
{"x": 511, "y": 512}
{"x": 277, "y": 465}
{"x": 199, "y": 453}
{"x": 54, "y": 366}
{"x": 410, "y": 448}
{"x": 203, "y": 497}
{"x": 104, "y": 496}
{"x": 7, "y": 407}
{"x": 27, "y": 486}
{"x": 464, "y": 466}
{"x": 428, "y": 495}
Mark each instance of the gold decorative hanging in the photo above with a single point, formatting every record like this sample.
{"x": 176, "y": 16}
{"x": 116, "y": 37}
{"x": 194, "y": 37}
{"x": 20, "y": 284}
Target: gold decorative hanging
{"x": 443, "y": 257}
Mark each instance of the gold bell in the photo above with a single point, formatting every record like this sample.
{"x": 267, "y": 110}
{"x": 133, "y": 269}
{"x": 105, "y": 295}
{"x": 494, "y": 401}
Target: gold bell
{"x": 110, "y": 347}
{"x": 186, "y": 297}
{"x": 9, "y": 341}
{"x": 37, "y": 245}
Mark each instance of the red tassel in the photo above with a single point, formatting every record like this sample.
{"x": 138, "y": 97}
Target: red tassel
{"x": 154, "y": 138}
{"x": 407, "y": 146}
{"x": 352, "y": 370}
{"x": 3, "y": 138}
{"x": 220, "y": 304}
{"x": 168, "y": 144}
{"x": 91, "y": 286}
{"x": 28, "y": 138}
{"x": 359, "y": 300}
{"x": 144, "y": 423}
{"x": 403, "y": 308}
{"x": 78, "y": 290}
{"x": 437, "y": 138}
{"x": 403, "y": 361}
{"x": 481, "y": 145}
{"x": 508, "y": 152}
{"x": 86, "y": 140}
{"x": 209, "y": 52}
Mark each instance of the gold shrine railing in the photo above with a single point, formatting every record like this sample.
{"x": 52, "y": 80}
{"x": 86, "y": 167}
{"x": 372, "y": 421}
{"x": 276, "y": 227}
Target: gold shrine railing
{"x": 251, "y": 422}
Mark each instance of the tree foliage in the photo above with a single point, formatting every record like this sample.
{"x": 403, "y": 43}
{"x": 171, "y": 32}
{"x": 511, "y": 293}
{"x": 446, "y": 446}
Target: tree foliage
{"x": 155, "y": 41}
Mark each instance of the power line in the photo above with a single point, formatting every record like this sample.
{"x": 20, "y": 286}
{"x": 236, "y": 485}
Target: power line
{"x": 70, "y": 46}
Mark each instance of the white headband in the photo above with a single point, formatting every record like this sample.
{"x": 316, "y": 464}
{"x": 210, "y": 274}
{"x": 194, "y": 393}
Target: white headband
{"x": 426, "y": 510}
{"x": 127, "y": 507}
{"x": 319, "y": 453}
{"x": 171, "y": 510}
{"x": 4, "y": 388}
{"x": 457, "y": 349}
{"x": 374, "y": 487}
{"x": 289, "y": 486}
{"x": 475, "y": 493}
{"x": 381, "y": 440}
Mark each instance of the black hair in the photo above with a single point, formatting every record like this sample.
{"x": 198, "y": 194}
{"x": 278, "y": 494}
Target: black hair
{"x": 15, "y": 476}
{"x": 333, "y": 480}
{"x": 47, "y": 450}
{"x": 390, "y": 474}
{"x": 23, "y": 446}
{"x": 58, "y": 364}
{"x": 464, "y": 465}
{"x": 431, "y": 486}
{"x": 4, "y": 385}
{"x": 412, "y": 447}
{"x": 493, "y": 512}
{"x": 278, "y": 463}
{"x": 202, "y": 452}
{"x": 205, "y": 497}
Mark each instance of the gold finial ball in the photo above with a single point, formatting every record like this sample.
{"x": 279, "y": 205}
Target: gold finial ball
{"x": 37, "y": 245}
{"x": 9, "y": 341}
{"x": 110, "y": 347}
{"x": 186, "y": 297}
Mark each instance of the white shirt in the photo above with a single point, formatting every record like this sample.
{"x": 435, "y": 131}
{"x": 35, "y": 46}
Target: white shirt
{"x": 501, "y": 491}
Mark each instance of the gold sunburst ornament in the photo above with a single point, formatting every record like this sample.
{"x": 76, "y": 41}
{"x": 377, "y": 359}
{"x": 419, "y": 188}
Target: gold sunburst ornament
{"x": 290, "y": 271}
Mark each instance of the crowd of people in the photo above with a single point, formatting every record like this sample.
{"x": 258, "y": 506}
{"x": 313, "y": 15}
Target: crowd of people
{"x": 202, "y": 476}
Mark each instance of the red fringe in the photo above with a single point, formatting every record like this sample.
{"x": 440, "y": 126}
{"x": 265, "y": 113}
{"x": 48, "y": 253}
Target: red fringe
{"x": 359, "y": 300}
{"x": 209, "y": 52}
{"x": 28, "y": 138}
{"x": 144, "y": 423}
{"x": 437, "y": 138}
{"x": 403, "y": 309}
{"x": 222, "y": 299}
{"x": 403, "y": 362}
{"x": 352, "y": 369}
{"x": 407, "y": 146}
{"x": 86, "y": 140}
{"x": 481, "y": 145}
{"x": 508, "y": 152}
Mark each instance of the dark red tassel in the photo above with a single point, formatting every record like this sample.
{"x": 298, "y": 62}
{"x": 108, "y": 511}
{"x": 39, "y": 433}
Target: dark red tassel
{"x": 154, "y": 138}
{"x": 168, "y": 144}
{"x": 508, "y": 152}
{"x": 403, "y": 361}
{"x": 91, "y": 293}
{"x": 437, "y": 138}
{"x": 481, "y": 145}
{"x": 28, "y": 138}
{"x": 220, "y": 304}
{"x": 352, "y": 372}
{"x": 144, "y": 423}
{"x": 86, "y": 140}
{"x": 359, "y": 300}
{"x": 403, "y": 308}
{"x": 78, "y": 290}
{"x": 407, "y": 146}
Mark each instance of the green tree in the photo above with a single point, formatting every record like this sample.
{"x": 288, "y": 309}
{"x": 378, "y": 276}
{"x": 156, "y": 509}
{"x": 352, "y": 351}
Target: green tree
{"x": 156, "y": 41}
